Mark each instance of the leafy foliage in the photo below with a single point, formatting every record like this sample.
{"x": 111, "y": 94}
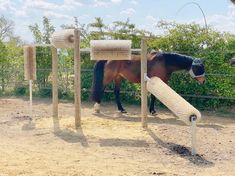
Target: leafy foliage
{"x": 189, "y": 39}
{"x": 207, "y": 44}
{"x": 6, "y": 28}
{"x": 11, "y": 60}
{"x": 44, "y": 63}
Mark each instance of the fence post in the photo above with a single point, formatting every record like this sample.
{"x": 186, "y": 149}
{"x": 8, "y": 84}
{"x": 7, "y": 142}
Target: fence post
{"x": 143, "y": 83}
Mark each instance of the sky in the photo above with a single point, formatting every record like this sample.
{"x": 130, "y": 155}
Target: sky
{"x": 220, "y": 14}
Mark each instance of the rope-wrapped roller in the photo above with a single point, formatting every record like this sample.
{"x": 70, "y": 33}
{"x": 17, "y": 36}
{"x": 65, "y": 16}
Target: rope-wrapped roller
{"x": 178, "y": 105}
{"x": 63, "y": 39}
{"x": 29, "y": 63}
{"x": 110, "y": 49}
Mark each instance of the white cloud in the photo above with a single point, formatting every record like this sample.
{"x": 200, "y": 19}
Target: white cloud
{"x": 220, "y": 22}
{"x": 57, "y": 15}
{"x": 44, "y": 5}
{"x": 151, "y": 20}
{"x": 105, "y": 3}
{"x": 134, "y": 2}
{"x": 150, "y": 25}
{"x": 116, "y": 1}
{"x": 100, "y": 3}
{"x": 19, "y": 13}
{"x": 27, "y": 5}
{"x": 223, "y": 23}
{"x": 128, "y": 12}
{"x": 6, "y": 4}
{"x": 72, "y": 3}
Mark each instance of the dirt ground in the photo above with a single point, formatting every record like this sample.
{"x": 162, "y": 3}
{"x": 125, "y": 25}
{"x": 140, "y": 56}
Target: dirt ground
{"x": 110, "y": 143}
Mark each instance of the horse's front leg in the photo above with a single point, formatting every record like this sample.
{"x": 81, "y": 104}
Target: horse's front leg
{"x": 151, "y": 107}
{"x": 118, "y": 82}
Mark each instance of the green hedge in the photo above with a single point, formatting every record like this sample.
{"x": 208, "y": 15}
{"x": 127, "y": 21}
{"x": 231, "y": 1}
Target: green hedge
{"x": 188, "y": 39}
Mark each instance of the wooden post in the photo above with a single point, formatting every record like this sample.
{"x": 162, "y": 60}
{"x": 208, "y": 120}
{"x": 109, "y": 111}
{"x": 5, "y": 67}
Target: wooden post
{"x": 77, "y": 80}
{"x": 29, "y": 63}
{"x": 54, "y": 82}
{"x": 143, "y": 83}
{"x": 30, "y": 72}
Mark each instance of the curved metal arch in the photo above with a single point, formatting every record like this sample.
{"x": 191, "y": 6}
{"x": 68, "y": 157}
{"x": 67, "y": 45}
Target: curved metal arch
{"x": 194, "y": 3}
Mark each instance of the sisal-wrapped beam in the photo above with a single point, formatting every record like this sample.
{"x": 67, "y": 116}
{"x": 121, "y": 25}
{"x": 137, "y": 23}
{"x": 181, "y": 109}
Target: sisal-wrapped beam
{"x": 179, "y": 106}
{"x": 63, "y": 39}
{"x": 110, "y": 49}
{"x": 29, "y": 63}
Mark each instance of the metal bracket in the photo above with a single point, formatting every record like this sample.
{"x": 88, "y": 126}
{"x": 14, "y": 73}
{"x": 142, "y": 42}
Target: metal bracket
{"x": 193, "y": 119}
{"x": 146, "y": 78}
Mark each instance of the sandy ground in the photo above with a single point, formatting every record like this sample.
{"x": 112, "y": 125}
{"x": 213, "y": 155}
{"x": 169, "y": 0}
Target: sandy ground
{"x": 110, "y": 143}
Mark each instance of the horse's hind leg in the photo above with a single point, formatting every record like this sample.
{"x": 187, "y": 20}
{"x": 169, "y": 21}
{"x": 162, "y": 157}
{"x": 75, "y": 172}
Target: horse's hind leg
{"x": 118, "y": 81}
{"x": 97, "y": 103}
{"x": 151, "y": 107}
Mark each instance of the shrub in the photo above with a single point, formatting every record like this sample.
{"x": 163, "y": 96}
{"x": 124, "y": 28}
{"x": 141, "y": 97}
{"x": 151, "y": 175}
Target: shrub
{"x": 20, "y": 90}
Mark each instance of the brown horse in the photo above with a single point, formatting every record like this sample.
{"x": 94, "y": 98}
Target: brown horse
{"x": 161, "y": 65}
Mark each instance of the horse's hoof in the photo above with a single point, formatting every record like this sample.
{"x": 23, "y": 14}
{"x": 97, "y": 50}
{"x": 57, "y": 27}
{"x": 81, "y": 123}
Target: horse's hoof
{"x": 97, "y": 108}
{"x": 153, "y": 113}
{"x": 123, "y": 111}
{"x": 97, "y": 111}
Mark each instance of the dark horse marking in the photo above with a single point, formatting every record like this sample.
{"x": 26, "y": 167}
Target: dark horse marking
{"x": 161, "y": 65}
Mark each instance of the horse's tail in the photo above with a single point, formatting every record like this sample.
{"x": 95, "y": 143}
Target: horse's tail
{"x": 97, "y": 87}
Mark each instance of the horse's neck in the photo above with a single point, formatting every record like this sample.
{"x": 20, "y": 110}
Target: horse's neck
{"x": 176, "y": 62}
{"x": 165, "y": 64}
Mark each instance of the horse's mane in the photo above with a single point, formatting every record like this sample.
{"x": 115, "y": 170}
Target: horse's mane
{"x": 174, "y": 59}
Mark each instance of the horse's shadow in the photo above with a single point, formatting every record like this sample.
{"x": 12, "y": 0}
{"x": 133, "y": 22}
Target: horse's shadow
{"x": 182, "y": 151}
{"x": 117, "y": 142}
{"x": 129, "y": 117}
{"x": 154, "y": 119}
{"x": 70, "y": 136}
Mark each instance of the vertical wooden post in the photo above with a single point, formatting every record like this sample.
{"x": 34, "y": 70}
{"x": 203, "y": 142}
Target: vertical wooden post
{"x": 77, "y": 80}
{"x": 143, "y": 83}
{"x": 54, "y": 82}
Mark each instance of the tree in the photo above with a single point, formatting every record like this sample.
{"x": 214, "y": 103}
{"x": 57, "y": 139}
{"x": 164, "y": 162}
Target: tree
{"x": 127, "y": 30}
{"x": 124, "y": 28}
{"x": 10, "y": 63}
{"x": 42, "y": 36}
{"x": 208, "y": 44}
{"x": 83, "y": 28}
{"x": 100, "y": 26}
{"x": 6, "y": 28}
{"x": 3, "y": 65}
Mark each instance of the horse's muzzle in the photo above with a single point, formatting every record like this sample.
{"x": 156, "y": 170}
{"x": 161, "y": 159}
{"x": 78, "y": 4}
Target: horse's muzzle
{"x": 201, "y": 80}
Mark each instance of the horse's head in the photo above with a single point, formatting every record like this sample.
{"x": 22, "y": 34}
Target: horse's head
{"x": 197, "y": 71}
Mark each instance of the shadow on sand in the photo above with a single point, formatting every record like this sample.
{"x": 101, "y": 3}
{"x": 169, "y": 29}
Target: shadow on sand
{"x": 117, "y": 142}
{"x": 182, "y": 151}
{"x": 112, "y": 115}
{"x": 70, "y": 136}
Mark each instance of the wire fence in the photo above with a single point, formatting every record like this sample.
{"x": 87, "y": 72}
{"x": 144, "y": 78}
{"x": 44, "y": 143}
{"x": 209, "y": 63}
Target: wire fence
{"x": 66, "y": 81}
{"x": 11, "y": 84}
